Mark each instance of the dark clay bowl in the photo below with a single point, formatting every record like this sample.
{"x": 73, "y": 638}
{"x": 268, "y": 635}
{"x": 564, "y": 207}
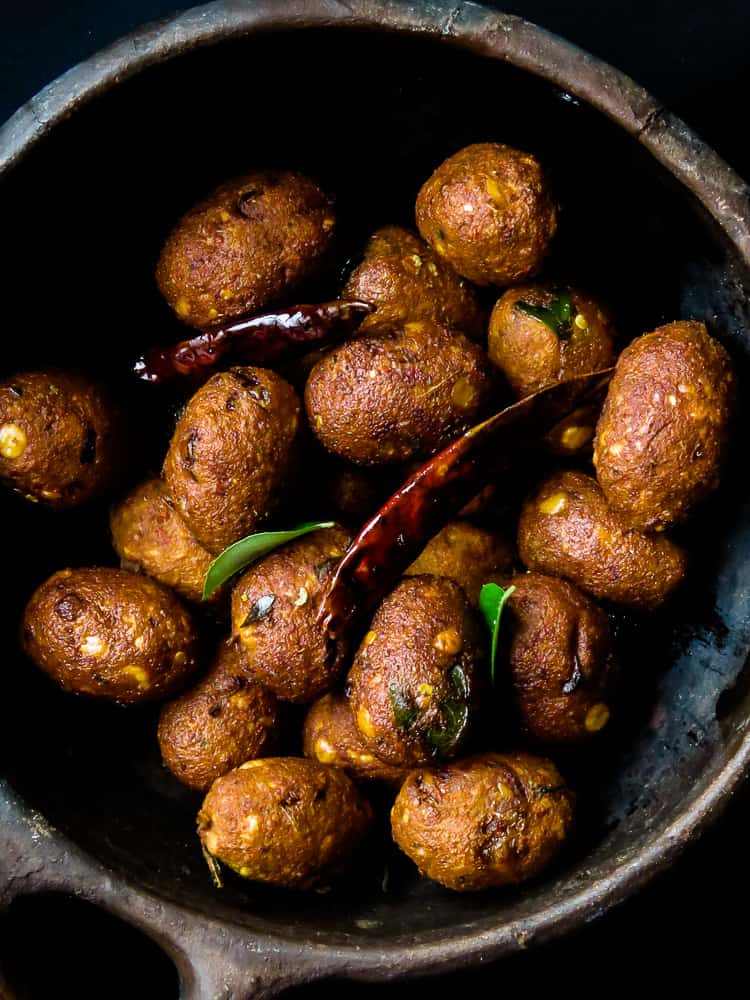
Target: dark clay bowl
{"x": 369, "y": 96}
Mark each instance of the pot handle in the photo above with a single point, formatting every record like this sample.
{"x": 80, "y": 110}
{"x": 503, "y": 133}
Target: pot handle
{"x": 215, "y": 962}
{"x": 215, "y": 959}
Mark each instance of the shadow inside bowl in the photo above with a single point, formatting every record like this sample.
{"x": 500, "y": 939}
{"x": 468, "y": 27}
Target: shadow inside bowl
{"x": 370, "y": 115}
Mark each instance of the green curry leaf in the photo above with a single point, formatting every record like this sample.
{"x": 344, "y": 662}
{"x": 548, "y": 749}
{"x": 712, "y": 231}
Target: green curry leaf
{"x": 558, "y": 315}
{"x": 248, "y": 550}
{"x": 405, "y": 712}
{"x": 455, "y": 716}
{"x": 541, "y": 790}
{"x": 492, "y": 600}
{"x": 457, "y": 678}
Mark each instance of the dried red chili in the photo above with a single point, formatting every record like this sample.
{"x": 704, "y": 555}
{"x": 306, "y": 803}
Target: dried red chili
{"x": 257, "y": 339}
{"x": 391, "y": 540}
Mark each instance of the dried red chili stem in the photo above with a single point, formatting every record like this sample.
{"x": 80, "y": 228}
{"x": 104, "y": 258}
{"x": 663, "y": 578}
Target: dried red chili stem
{"x": 391, "y": 540}
{"x": 256, "y": 339}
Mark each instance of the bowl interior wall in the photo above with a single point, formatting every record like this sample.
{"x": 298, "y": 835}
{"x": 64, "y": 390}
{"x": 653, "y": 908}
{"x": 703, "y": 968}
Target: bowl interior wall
{"x": 371, "y": 115}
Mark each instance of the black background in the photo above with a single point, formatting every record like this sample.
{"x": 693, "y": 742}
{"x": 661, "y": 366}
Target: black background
{"x": 687, "y": 930}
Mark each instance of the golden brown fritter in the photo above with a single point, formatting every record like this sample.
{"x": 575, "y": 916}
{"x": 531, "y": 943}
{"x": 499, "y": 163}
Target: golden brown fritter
{"x": 218, "y": 724}
{"x": 576, "y": 337}
{"x": 397, "y": 392}
{"x": 149, "y": 535}
{"x": 284, "y": 820}
{"x": 406, "y": 280}
{"x": 61, "y": 440}
{"x": 485, "y": 821}
{"x": 665, "y": 425}
{"x": 487, "y": 211}
{"x": 559, "y": 657}
{"x": 567, "y": 529}
{"x": 469, "y": 555}
{"x": 414, "y": 684}
{"x": 232, "y": 453}
{"x": 274, "y": 610}
{"x": 110, "y": 634}
{"x": 250, "y": 242}
{"x": 331, "y": 737}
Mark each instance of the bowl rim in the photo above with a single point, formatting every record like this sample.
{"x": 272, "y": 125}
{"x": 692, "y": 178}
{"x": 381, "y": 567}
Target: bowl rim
{"x": 717, "y": 187}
